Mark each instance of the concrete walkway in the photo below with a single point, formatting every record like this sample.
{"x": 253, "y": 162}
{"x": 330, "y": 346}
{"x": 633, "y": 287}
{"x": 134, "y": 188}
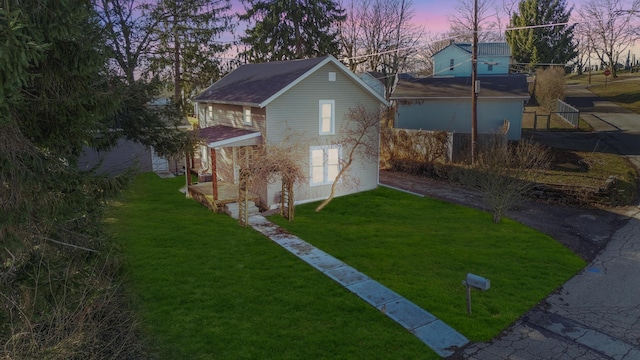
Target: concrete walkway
{"x": 440, "y": 337}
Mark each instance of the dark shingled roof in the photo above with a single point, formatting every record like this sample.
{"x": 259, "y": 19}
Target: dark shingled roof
{"x": 505, "y": 86}
{"x": 214, "y": 134}
{"x": 252, "y": 84}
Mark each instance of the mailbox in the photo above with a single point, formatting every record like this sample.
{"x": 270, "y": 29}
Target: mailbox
{"x": 477, "y": 282}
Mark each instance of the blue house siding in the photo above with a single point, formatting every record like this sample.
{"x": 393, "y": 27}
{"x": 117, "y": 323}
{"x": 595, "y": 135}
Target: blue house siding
{"x": 452, "y": 55}
{"x": 454, "y": 115}
{"x": 455, "y": 60}
{"x": 493, "y": 65}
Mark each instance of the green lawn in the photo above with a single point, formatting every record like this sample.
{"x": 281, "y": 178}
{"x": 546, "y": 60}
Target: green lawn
{"x": 423, "y": 248}
{"x": 207, "y": 288}
{"x": 623, "y": 93}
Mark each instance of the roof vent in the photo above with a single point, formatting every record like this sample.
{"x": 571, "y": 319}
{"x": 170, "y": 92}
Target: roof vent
{"x": 332, "y": 76}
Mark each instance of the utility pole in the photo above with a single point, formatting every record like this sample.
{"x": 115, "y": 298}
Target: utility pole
{"x": 474, "y": 89}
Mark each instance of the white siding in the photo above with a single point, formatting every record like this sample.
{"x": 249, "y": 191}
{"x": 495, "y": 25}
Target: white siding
{"x": 294, "y": 116}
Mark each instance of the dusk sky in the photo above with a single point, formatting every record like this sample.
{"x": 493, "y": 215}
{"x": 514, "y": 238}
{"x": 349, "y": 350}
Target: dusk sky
{"x": 433, "y": 14}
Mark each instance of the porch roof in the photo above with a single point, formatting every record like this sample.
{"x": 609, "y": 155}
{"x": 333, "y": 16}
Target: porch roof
{"x": 222, "y": 135}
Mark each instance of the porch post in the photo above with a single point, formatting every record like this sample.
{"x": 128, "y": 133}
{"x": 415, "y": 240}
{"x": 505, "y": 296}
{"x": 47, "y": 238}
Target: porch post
{"x": 187, "y": 174}
{"x": 187, "y": 169}
{"x": 214, "y": 176}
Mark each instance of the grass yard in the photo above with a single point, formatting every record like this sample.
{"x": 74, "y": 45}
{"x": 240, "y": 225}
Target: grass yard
{"x": 624, "y": 90}
{"x": 423, "y": 248}
{"x": 623, "y": 93}
{"x": 206, "y": 288}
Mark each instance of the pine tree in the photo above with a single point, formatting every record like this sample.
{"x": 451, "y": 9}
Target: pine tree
{"x": 553, "y": 44}
{"x": 291, "y": 29}
{"x": 188, "y": 50}
{"x": 53, "y": 272}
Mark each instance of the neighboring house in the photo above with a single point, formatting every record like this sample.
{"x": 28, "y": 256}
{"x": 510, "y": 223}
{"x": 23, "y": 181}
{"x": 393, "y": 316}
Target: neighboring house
{"x": 455, "y": 59}
{"x": 445, "y": 104}
{"x": 301, "y": 101}
{"x": 375, "y": 80}
{"x": 128, "y": 154}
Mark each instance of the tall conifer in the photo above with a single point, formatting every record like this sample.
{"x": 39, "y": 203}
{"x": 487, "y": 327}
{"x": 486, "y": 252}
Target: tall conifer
{"x": 551, "y": 44}
{"x": 291, "y": 29}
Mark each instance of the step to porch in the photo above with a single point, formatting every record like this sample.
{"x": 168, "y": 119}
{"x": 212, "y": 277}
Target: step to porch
{"x": 232, "y": 209}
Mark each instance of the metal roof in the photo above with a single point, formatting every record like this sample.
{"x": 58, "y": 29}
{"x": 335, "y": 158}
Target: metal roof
{"x": 484, "y": 48}
{"x": 488, "y": 48}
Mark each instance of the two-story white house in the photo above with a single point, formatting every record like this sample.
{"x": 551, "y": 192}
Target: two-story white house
{"x": 304, "y": 101}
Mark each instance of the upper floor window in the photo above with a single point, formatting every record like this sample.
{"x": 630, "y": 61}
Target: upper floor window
{"x": 246, "y": 116}
{"x": 451, "y": 64}
{"x": 327, "y": 117}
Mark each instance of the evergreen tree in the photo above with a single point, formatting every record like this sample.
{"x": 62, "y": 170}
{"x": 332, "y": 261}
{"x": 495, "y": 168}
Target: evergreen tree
{"x": 188, "y": 50}
{"x": 553, "y": 44}
{"x": 291, "y": 29}
{"x": 58, "y": 298}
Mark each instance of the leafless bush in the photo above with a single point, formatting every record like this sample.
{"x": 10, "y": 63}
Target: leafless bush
{"x": 505, "y": 173}
{"x": 549, "y": 87}
{"x": 415, "y": 145}
{"x": 59, "y": 308}
{"x": 268, "y": 163}
{"x": 418, "y": 152}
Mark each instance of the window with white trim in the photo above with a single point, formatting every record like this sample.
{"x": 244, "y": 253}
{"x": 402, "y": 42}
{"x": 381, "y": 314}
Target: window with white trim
{"x": 324, "y": 163}
{"x": 246, "y": 116}
{"x": 327, "y": 117}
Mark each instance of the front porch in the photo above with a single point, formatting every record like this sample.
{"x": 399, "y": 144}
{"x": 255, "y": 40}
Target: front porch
{"x": 227, "y": 193}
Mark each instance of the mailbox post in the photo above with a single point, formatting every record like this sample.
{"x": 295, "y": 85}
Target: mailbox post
{"x": 474, "y": 281}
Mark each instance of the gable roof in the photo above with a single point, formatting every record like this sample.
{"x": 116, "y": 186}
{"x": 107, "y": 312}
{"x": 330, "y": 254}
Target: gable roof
{"x": 505, "y": 86}
{"x": 259, "y": 84}
{"x": 484, "y": 48}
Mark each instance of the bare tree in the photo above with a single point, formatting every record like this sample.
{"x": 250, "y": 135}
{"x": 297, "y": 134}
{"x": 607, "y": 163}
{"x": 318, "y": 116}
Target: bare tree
{"x": 350, "y": 34}
{"x": 489, "y": 24}
{"x": 130, "y": 34}
{"x": 421, "y": 62}
{"x": 378, "y": 35}
{"x": 609, "y": 28}
{"x": 360, "y": 138}
{"x": 504, "y": 173}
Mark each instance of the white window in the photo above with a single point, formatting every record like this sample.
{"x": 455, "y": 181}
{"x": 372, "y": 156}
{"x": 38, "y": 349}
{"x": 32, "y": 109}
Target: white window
{"x": 327, "y": 117}
{"x": 325, "y": 164}
{"x": 209, "y": 113}
{"x": 332, "y": 76}
{"x": 246, "y": 115}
